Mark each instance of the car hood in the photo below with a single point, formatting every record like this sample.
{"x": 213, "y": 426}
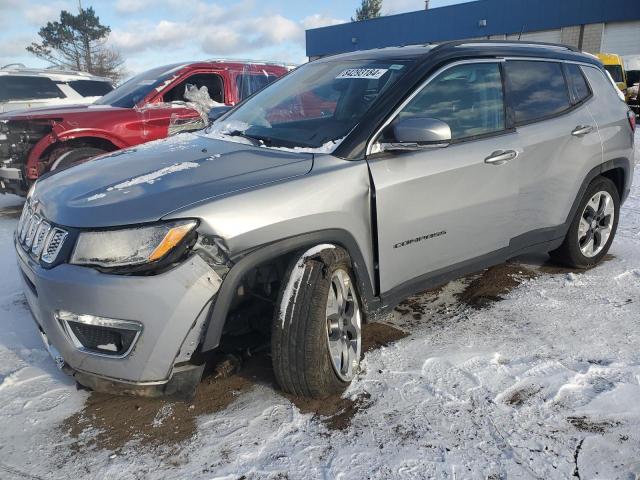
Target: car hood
{"x": 58, "y": 111}
{"x": 144, "y": 183}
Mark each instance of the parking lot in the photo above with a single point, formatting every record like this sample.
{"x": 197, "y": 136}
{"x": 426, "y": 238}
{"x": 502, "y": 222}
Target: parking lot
{"x": 523, "y": 371}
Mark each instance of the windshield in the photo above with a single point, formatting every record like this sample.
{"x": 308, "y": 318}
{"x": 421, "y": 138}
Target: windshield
{"x": 137, "y": 88}
{"x": 313, "y": 107}
{"x": 616, "y": 72}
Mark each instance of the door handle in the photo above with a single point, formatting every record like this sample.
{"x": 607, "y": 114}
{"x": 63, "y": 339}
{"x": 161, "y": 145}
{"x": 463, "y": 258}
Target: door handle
{"x": 581, "y": 130}
{"x": 500, "y": 157}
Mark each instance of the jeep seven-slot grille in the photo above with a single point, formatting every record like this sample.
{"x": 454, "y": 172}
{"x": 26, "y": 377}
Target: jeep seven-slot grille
{"x": 38, "y": 237}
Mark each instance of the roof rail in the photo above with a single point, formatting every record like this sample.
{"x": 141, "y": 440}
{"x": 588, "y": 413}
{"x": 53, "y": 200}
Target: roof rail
{"x": 513, "y": 43}
{"x": 9, "y": 65}
{"x": 245, "y": 60}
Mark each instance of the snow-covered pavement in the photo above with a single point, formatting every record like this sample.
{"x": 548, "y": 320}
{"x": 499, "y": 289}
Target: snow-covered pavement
{"x": 543, "y": 384}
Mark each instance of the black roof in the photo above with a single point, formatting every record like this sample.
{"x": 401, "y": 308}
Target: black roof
{"x": 470, "y": 48}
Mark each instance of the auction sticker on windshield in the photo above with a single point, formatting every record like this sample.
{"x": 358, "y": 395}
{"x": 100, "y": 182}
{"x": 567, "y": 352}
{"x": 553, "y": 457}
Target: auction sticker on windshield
{"x": 370, "y": 73}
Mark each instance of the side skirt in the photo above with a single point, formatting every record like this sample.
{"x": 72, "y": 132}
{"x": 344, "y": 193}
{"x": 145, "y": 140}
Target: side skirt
{"x": 539, "y": 241}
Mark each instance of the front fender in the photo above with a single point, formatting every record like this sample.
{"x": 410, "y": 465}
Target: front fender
{"x": 58, "y": 136}
{"x": 342, "y": 238}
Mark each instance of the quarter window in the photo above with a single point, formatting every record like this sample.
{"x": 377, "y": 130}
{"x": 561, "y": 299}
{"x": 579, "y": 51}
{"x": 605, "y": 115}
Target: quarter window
{"x": 616, "y": 72}
{"x": 578, "y": 84}
{"x": 467, "y": 97}
{"x": 27, "y": 88}
{"x": 536, "y": 90}
{"x": 248, "y": 83}
{"x": 91, "y": 88}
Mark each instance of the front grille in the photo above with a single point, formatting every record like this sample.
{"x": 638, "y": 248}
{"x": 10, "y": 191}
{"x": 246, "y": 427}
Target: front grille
{"x": 38, "y": 237}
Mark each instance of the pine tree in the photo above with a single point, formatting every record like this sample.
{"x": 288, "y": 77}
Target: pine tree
{"x": 77, "y": 42}
{"x": 368, "y": 9}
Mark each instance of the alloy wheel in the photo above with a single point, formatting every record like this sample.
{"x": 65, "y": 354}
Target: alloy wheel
{"x": 596, "y": 224}
{"x": 344, "y": 326}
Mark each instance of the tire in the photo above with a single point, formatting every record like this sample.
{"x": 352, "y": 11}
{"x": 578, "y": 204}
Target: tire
{"x": 75, "y": 156}
{"x": 306, "y": 315}
{"x": 574, "y": 251}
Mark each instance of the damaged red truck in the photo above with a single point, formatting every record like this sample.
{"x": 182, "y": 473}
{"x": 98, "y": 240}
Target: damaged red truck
{"x": 153, "y": 105}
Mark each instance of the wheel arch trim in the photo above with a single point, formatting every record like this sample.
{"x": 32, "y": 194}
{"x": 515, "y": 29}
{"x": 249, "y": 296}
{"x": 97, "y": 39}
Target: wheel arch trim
{"x": 264, "y": 253}
{"x": 617, "y": 163}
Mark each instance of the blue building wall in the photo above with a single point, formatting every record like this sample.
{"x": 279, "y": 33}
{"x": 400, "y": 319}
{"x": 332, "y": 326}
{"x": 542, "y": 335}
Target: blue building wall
{"x": 462, "y": 21}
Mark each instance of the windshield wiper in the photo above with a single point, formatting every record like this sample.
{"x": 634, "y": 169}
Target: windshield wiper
{"x": 257, "y": 140}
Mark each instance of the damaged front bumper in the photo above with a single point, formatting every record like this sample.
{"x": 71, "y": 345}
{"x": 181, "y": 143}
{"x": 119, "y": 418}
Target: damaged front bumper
{"x": 17, "y": 139}
{"x": 172, "y": 309}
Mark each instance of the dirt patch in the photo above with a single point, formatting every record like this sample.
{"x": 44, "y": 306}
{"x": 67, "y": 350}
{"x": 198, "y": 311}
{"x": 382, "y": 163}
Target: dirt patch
{"x": 417, "y": 306}
{"x": 519, "y": 397}
{"x": 492, "y": 284}
{"x": 111, "y": 421}
{"x": 554, "y": 269}
{"x": 376, "y": 335}
{"x": 587, "y": 424}
{"x": 335, "y": 412}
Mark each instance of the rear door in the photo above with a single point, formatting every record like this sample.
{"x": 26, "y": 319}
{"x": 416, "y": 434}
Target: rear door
{"x": 445, "y": 206}
{"x": 558, "y": 137}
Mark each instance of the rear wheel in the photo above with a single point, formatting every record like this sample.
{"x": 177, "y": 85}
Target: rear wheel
{"x": 75, "y": 156}
{"x": 316, "y": 334}
{"x": 592, "y": 230}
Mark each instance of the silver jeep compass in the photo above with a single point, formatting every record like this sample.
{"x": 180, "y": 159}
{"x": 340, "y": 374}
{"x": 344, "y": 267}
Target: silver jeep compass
{"x": 319, "y": 203}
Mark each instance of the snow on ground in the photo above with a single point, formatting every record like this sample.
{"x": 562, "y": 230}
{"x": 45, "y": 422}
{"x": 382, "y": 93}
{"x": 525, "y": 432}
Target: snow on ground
{"x": 544, "y": 384}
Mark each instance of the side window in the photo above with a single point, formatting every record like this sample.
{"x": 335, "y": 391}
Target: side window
{"x": 536, "y": 90}
{"x": 91, "y": 88}
{"x": 213, "y": 82}
{"x": 578, "y": 85}
{"x": 249, "y": 83}
{"x": 467, "y": 97}
{"x": 27, "y": 88}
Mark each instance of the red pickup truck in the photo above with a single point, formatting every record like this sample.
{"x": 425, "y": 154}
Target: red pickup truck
{"x": 149, "y": 106}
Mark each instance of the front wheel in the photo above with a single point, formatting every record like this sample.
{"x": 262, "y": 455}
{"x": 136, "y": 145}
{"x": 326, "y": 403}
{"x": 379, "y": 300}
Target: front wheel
{"x": 593, "y": 228}
{"x": 317, "y": 329}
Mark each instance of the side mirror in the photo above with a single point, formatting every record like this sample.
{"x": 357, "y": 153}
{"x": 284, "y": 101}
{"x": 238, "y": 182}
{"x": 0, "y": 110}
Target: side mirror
{"x": 417, "y": 133}
{"x": 216, "y": 112}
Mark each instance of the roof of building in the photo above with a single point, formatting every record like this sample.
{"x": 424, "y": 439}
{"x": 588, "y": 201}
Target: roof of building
{"x": 474, "y": 19}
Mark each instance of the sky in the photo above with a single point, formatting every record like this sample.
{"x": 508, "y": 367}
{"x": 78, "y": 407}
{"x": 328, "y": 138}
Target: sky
{"x": 150, "y": 33}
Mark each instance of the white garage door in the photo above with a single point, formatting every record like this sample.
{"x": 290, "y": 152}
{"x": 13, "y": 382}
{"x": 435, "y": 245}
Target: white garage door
{"x": 550, "y": 36}
{"x": 622, "y": 38}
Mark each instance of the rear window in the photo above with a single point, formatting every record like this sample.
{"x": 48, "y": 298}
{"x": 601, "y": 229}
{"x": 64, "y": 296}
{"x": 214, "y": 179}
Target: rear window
{"x": 577, "y": 83}
{"x": 616, "y": 72}
{"x": 536, "y": 90}
{"x": 248, "y": 84}
{"x": 15, "y": 87}
{"x": 91, "y": 88}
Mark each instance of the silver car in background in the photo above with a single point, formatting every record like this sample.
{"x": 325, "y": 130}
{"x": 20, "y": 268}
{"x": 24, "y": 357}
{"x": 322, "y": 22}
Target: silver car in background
{"x": 318, "y": 204}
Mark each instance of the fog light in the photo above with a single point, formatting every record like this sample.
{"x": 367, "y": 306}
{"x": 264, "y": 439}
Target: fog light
{"x": 100, "y": 335}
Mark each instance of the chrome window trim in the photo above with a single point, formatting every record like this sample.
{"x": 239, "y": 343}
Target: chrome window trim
{"x": 373, "y": 140}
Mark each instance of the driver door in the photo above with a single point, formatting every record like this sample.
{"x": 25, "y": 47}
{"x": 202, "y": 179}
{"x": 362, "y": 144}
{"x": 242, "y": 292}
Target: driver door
{"x": 442, "y": 208}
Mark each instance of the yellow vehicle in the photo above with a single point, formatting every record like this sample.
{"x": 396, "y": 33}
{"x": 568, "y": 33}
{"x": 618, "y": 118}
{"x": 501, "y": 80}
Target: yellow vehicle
{"x": 615, "y": 66}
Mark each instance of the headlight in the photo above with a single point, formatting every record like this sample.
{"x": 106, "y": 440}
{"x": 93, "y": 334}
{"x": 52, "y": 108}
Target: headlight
{"x": 131, "y": 246}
